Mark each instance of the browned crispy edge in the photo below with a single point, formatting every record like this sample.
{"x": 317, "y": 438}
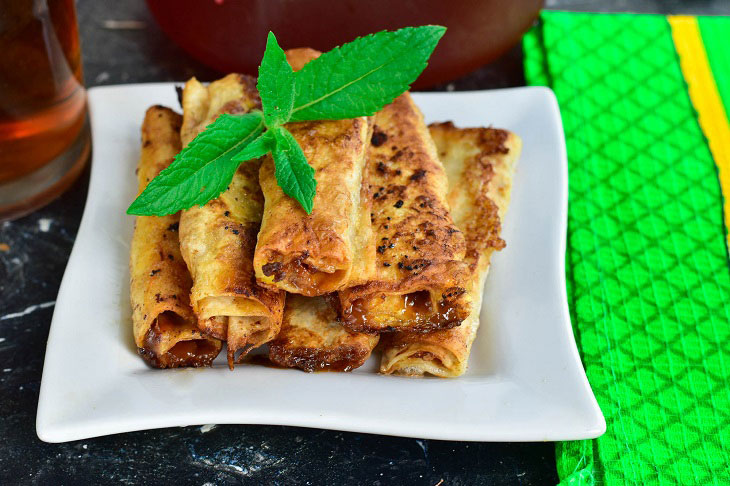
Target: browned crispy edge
{"x": 307, "y": 231}
{"x": 207, "y": 350}
{"x": 341, "y": 358}
{"x": 483, "y": 232}
{"x": 286, "y": 350}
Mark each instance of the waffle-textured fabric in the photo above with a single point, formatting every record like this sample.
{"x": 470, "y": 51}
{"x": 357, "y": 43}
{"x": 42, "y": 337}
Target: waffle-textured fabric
{"x": 646, "y": 261}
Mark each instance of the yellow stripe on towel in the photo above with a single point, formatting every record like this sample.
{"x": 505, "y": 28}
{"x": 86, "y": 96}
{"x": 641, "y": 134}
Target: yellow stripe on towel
{"x": 705, "y": 98}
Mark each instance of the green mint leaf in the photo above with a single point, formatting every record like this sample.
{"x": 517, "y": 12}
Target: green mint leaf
{"x": 202, "y": 170}
{"x": 258, "y": 148}
{"x": 275, "y": 84}
{"x": 362, "y": 76}
{"x": 293, "y": 173}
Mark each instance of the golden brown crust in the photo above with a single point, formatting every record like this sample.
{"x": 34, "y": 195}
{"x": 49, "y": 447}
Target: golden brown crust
{"x": 333, "y": 247}
{"x": 418, "y": 247}
{"x": 479, "y": 163}
{"x": 313, "y": 339}
{"x": 314, "y": 254}
{"x": 165, "y": 328}
{"x": 487, "y": 155}
{"x": 219, "y": 238}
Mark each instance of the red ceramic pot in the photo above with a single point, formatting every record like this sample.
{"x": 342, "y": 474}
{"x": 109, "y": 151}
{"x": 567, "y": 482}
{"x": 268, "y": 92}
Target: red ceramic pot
{"x": 230, "y": 35}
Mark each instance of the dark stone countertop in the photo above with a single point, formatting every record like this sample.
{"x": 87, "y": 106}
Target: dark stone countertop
{"x": 31, "y": 268}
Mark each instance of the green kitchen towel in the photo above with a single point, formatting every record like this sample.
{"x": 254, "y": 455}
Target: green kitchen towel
{"x": 646, "y": 260}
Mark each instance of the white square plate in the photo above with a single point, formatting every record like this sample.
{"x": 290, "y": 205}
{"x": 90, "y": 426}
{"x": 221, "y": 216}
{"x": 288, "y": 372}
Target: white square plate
{"x": 525, "y": 380}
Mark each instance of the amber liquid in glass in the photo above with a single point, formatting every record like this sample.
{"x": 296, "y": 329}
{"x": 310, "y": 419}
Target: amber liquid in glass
{"x": 42, "y": 98}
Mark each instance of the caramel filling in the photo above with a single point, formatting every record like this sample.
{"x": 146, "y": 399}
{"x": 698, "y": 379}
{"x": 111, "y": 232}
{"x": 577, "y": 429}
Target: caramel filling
{"x": 197, "y": 352}
{"x": 415, "y": 310}
{"x": 306, "y": 278}
{"x": 169, "y": 328}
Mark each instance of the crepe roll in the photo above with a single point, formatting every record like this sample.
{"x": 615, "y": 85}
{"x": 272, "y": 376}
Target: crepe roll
{"x": 165, "y": 328}
{"x": 480, "y": 164}
{"x": 312, "y": 337}
{"x": 420, "y": 278}
{"x": 333, "y": 247}
{"x": 218, "y": 239}
{"x": 234, "y": 94}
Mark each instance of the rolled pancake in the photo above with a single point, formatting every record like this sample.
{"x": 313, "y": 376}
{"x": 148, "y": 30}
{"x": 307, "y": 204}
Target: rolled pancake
{"x": 218, "y": 239}
{"x": 333, "y": 247}
{"x": 312, "y": 337}
{"x": 165, "y": 328}
{"x": 419, "y": 283}
{"x": 480, "y": 163}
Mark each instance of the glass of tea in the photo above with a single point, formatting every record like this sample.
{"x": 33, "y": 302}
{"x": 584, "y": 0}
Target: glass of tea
{"x": 44, "y": 136}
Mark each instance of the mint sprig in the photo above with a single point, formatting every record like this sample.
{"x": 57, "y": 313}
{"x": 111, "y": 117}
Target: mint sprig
{"x": 275, "y": 84}
{"x": 355, "y": 79}
{"x": 362, "y": 76}
{"x": 203, "y": 169}
{"x": 293, "y": 173}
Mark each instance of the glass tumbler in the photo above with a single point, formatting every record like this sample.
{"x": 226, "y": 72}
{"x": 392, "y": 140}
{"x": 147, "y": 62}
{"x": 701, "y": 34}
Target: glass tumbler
{"x": 44, "y": 135}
